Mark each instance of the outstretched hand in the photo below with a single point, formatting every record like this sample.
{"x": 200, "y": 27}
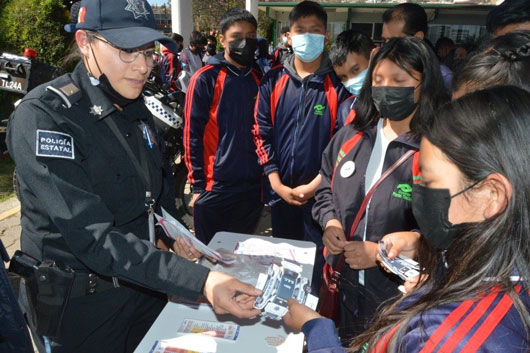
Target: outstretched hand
{"x": 298, "y": 315}
{"x": 229, "y": 295}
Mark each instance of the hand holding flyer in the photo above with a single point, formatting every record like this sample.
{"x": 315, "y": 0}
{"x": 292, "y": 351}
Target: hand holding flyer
{"x": 174, "y": 229}
{"x": 404, "y": 267}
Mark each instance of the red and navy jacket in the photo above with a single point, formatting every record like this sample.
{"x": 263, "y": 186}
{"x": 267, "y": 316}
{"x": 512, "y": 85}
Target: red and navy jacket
{"x": 295, "y": 119}
{"x": 169, "y": 67}
{"x": 488, "y": 323}
{"x": 219, "y": 114}
{"x": 347, "y": 111}
{"x": 390, "y": 208}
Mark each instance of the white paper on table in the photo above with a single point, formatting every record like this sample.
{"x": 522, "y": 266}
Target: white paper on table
{"x": 260, "y": 247}
{"x": 175, "y": 229}
{"x": 185, "y": 344}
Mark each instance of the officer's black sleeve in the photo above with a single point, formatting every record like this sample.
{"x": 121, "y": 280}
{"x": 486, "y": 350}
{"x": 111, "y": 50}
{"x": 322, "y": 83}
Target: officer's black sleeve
{"x": 324, "y": 209}
{"x": 63, "y": 189}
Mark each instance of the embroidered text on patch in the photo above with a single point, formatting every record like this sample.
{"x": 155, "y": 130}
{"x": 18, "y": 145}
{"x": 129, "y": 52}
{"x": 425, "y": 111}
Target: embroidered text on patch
{"x": 54, "y": 144}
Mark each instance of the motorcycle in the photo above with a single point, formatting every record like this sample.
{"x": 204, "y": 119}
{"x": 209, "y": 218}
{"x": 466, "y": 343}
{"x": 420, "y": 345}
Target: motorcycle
{"x": 168, "y": 112}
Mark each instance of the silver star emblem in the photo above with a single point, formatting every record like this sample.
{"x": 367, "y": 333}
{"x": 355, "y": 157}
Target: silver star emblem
{"x": 96, "y": 110}
{"x": 138, "y": 9}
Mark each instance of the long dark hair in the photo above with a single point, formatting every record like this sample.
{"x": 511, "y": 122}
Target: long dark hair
{"x": 506, "y": 61}
{"x": 409, "y": 53}
{"x": 482, "y": 133}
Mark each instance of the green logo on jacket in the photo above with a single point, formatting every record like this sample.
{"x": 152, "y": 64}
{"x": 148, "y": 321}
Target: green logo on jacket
{"x": 319, "y": 109}
{"x": 403, "y": 191}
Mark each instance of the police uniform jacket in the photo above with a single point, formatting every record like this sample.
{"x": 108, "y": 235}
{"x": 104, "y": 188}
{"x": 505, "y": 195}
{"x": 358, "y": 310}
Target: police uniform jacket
{"x": 83, "y": 201}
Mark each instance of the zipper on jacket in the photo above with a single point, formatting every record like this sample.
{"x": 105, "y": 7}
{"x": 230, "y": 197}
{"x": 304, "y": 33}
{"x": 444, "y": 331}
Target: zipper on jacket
{"x": 301, "y": 100}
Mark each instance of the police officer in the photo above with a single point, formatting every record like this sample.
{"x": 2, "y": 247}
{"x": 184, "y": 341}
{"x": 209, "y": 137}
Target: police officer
{"x": 91, "y": 175}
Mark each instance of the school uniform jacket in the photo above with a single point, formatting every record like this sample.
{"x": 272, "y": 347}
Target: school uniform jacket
{"x": 295, "y": 119}
{"x": 347, "y": 112}
{"x": 219, "y": 110}
{"x": 390, "y": 207}
{"x": 488, "y": 323}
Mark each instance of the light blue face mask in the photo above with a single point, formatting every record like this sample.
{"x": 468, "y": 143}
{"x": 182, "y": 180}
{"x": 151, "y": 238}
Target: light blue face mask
{"x": 308, "y": 46}
{"x": 354, "y": 84}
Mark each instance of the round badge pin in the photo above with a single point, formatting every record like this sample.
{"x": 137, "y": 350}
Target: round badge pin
{"x": 347, "y": 169}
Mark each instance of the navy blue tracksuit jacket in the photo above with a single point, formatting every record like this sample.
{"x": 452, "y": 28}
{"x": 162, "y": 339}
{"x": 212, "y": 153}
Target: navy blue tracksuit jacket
{"x": 295, "y": 120}
{"x": 219, "y": 109}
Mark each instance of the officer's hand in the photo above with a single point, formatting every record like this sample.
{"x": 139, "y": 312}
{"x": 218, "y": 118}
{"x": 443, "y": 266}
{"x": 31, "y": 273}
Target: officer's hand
{"x": 229, "y": 295}
{"x": 361, "y": 255}
{"x": 185, "y": 250}
{"x": 298, "y": 315}
{"x": 334, "y": 238}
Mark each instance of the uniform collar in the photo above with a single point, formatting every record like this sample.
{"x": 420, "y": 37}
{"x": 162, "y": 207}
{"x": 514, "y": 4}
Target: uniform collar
{"x": 99, "y": 104}
{"x": 407, "y": 139}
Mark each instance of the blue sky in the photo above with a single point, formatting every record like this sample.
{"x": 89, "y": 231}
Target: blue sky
{"x": 157, "y": 2}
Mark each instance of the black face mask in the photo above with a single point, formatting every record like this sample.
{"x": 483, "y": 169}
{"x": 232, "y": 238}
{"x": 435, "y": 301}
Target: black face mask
{"x": 104, "y": 84}
{"x": 394, "y": 103}
{"x": 112, "y": 94}
{"x": 431, "y": 210}
{"x": 242, "y": 50}
{"x": 210, "y": 49}
{"x": 180, "y": 48}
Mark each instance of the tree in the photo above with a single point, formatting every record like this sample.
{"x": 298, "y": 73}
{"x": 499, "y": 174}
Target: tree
{"x": 37, "y": 24}
{"x": 207, "y": 13}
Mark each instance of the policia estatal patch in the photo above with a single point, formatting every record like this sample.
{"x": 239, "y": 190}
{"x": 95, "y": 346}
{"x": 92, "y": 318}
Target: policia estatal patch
{"x": 54, "y": 144}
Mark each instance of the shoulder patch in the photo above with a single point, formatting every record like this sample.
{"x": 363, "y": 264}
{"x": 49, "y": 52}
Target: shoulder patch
{"x": 65, "y": 88}
{"x": 54, "y": 144}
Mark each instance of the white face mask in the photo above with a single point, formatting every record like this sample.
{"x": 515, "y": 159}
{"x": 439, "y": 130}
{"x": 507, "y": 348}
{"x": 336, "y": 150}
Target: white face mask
{"x": 354, "y": 84}
{"x": 308, "y": 46}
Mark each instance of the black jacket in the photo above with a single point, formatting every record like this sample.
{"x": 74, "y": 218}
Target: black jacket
{"x": 390, "y": 207}
{"x": 83, "y": 201}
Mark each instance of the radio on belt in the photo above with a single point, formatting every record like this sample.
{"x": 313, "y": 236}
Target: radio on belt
{"x": 280, "y": 284}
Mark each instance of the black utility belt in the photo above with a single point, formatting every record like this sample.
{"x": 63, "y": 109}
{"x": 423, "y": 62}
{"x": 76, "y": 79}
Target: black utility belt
{"x": 50, "y": 285}
{"x": 90, "y": 283}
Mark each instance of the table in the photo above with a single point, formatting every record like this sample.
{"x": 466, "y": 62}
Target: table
{"x": 256, "y": 335}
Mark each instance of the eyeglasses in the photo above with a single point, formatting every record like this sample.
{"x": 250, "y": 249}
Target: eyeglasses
{"x": 130, "y": 55}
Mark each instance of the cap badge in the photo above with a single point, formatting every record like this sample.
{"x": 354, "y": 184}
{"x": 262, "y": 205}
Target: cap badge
{"x": 137, "y": 7}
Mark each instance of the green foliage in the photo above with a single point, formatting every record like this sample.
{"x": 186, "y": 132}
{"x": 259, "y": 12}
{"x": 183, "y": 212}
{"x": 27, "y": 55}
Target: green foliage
{"x": 37, "y": 24}
{"x": 207, "y": 13}
{"x": 265, "y": 26}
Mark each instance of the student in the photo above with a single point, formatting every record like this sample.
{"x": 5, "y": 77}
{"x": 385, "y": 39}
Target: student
{"x": 296, "y": 116}
{"x": 211, "y": 48}
{"x": 473, "y": 205}
{"x": 410, "y": 19}
{"x": 219, "y": 151}
{"x": 402, "y": 89}
{"x": 350, "y": 56}
{"x": 511, "y": 15}
{"x": 191, "y": 57}
{"x": 263, "y": 59}
{"x": 170, "y": 63}
{"x": 283, "y": 50}
{"x": 505, "y": 62}
{"x": 444, "y": 48}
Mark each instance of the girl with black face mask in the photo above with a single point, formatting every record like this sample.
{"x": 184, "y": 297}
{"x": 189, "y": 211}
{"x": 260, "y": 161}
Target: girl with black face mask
{"x": 402, "y": 89}
{"x": 474, "y": 202}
